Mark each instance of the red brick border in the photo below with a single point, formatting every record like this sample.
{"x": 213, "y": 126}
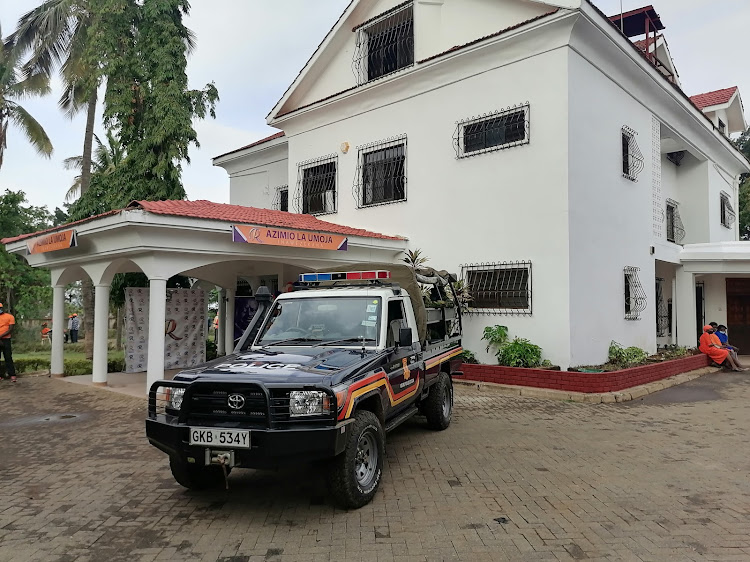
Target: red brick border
{"x": 583, "y": 382}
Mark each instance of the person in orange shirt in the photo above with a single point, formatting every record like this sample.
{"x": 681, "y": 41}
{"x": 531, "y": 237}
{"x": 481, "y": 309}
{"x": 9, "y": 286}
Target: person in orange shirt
{"x": 711, "y": 345}
{"x": 7, "y": 323}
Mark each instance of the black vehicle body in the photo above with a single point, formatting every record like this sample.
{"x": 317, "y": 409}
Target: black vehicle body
{"x": 392, "y": 382}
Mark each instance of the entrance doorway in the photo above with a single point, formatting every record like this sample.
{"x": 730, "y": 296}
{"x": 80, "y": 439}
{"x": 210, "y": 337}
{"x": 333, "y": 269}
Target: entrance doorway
{"x": 700, "y": 310}
{"x": 738, "y": 312}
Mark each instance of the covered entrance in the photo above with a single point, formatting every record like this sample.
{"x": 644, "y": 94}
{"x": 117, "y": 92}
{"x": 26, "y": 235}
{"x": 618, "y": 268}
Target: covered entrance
{"x": 213, "y": 244}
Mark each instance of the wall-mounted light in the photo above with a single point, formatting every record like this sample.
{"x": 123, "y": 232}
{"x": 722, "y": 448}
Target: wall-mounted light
{"x": 344, "y": 147}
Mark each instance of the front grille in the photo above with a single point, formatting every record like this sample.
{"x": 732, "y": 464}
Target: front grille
{"x": 212, "y": 403}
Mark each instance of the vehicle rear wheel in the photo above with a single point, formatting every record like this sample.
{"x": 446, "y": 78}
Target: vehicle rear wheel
{"x": 354, "y": 476}
{"x": 195, "y": 476}
{"x": 438, "y": 408}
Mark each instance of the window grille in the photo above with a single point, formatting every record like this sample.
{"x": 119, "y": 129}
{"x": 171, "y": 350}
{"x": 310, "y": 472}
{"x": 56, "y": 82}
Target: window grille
{"x": 632, "y": 158}
{"x": 676, "y": 157}
{"x": 722, "y": 126}
{"x": 385, "y": 44}
{"x": 728, "y": 215}
{"x": 381, "y": 173}
{"x": 675, "y": 228}
{"x": 635, "y": 296}
{"x": 493, "y": 131}
{"x": 281, "y": 200}
{"x": 317, "y": 186}
{"x": 499, "y": 288}
{"x": 663, "y": 316}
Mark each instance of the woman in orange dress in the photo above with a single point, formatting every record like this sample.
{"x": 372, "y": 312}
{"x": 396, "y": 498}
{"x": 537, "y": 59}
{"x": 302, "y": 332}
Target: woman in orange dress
{"x": 711, "y": 345}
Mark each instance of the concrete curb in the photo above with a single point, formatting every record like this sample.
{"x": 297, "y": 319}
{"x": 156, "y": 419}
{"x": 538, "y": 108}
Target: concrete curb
{"x": 594, "y": 398}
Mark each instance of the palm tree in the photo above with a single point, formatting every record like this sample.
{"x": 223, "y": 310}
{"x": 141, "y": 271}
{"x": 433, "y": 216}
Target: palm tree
{"x": 106, "y": 159}
{"x": 13, "y": 89}
{"x": 54, "y": 36}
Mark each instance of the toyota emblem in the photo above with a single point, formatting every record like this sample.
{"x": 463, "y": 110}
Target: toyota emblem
{"x": 236, "y": 401}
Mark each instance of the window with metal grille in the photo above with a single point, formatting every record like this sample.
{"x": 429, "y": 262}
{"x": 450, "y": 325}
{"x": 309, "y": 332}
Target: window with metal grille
{"x": 317, "y": 186}
{"x": 635, "y": 296}
{"x": 381, "y": 173}
{"x": 499, "y": 288}
{"x": 281, "y": 200}
{"x": 663, "y": 315}
{"x": 385, "y": 44}
{"x": 727, "y": 211}
{"x": 675, "y": 228}
{"x": 722, "y": 126}
{"x": 493, "y": 131}
{"x": 632, "y": 158}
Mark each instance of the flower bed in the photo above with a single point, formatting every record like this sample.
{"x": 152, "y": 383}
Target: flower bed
{"x": 583, "y": 382}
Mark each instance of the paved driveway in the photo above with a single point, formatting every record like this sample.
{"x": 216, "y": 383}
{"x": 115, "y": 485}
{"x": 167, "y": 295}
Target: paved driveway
{"x": 665, "y": 478}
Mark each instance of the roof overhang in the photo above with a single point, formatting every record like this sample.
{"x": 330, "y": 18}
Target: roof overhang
{"x": 178, "y": 244}
{"x": 716, "y": 257}
{"x": 638, "y": 22}
{"x": 735, "y": 113}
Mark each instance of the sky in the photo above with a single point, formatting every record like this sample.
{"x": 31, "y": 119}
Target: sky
{"x": 253, "y": 49}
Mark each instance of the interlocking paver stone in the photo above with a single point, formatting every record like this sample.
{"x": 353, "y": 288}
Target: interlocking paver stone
{"x": 513, "y": 478}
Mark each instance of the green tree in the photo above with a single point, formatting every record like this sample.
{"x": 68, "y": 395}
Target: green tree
{"x": 13, "y": 88}
{"x": 24, "y": 289}
{"x": 743, "y": 144}
{"x": 142, "y": 49}
{"x": 106, "y": 159}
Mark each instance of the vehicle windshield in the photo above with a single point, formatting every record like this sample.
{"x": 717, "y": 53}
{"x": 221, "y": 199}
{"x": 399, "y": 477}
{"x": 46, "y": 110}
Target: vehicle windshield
{"x": 312, "y": 320}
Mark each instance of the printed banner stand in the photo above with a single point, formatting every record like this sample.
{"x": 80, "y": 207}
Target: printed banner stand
{"x": 184, "y": 330}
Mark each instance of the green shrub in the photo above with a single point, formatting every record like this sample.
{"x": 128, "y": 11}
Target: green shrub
{"x": 520, "y": 353}
{"x": 211, "y": 350}
{"x": 75, "y": 367}
{"x": 675, "y": 352}
{"x": 495, "y": 336}
{"x": 468, "y": 357}
{"x": 626, "y": 357}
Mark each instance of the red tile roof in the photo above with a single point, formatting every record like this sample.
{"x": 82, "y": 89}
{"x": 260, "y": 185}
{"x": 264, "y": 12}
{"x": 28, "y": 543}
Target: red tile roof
{"x": 642, "y": 43}
{"x": 227, "y": 213}
{"x": 251, "y": 145}
{"x": 56, "y": 228}
{"x": 710, "y": 99}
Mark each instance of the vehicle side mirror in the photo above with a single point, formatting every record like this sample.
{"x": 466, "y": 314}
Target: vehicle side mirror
{"x": 404, "y": 337}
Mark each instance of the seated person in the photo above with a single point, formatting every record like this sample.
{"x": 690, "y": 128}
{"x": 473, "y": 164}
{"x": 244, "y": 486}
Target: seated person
{"x": 721, "y": 333}
{"x": 711, "y": 346}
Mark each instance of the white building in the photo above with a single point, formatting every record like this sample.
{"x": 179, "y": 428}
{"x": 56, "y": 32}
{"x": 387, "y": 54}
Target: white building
{"x": 539, "y": 149}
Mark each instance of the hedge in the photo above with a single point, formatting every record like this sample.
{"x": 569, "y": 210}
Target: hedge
{"x": 72, "y": 366}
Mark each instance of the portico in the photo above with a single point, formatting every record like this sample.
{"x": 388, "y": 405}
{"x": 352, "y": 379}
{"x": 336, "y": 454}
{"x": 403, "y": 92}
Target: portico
{"x": 196, "y": 239}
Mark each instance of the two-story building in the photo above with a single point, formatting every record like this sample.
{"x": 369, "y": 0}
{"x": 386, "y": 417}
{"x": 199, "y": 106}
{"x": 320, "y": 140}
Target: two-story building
{"x": 540, "y": 149}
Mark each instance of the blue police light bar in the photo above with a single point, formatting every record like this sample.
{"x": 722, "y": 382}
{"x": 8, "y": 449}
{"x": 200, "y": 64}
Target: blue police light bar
{"x": 344, "y": 276}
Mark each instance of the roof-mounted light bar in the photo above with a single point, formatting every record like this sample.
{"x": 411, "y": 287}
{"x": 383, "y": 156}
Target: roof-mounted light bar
{"x": 344, "y": 276}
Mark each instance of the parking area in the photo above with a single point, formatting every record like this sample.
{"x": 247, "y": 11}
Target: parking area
{"x": 664, "y": 478}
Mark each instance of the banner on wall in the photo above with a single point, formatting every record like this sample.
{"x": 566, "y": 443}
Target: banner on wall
{"x": 272, "y": 236}
{"x": 184, "y": 329}
{"x": 244, "y": 310}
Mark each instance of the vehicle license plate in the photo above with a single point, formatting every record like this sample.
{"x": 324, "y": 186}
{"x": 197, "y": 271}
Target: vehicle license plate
{"x": 213, "y": 437}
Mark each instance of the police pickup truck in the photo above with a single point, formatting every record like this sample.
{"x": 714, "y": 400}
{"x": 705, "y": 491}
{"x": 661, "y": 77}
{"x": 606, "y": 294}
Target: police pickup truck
{"x": 321, "y": 374}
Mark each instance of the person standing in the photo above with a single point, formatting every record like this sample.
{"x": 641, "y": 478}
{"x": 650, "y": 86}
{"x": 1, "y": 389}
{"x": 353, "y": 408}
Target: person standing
{"x": 7, "y": 323}
{"x": 75, "y": 323}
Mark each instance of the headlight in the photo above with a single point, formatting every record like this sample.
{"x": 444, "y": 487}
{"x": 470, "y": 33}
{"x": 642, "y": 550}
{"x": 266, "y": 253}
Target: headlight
{"x": 174, "y": 398}
{"x": 308, "y": 403}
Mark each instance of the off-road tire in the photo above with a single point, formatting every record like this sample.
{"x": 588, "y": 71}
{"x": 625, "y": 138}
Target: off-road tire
{"x": 196, "y": 476}
{"x": 438, "y": 408}
{"x": 364, "y": 436}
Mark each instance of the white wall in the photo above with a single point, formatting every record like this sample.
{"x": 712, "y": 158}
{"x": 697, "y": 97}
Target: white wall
{"x": 715, "y": 291}
{"x": 253, "y": 180}
{"x": 506, "y": 205}
{"x": 610, "y": 216}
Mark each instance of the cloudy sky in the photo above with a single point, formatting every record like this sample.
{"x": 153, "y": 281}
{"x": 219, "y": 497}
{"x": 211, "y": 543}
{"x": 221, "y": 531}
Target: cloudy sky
{"x": 253, "y": 49}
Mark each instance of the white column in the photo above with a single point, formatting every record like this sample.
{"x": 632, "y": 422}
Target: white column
{"x": 684, "y": 304}
{"x": 674, "y": 311}
{"x": 220, "y": 337}
{"x": 157, "y": 318}
{"x": 59, "y": 324}
{"x": 229, "y": 322}
{"x": 101, "y": 333}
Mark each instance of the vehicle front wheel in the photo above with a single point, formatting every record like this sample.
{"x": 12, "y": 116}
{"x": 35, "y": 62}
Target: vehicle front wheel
{"x": 195, "y": 476}
{"x": 438, "y": 408}
{"x": 354, "y": 476}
